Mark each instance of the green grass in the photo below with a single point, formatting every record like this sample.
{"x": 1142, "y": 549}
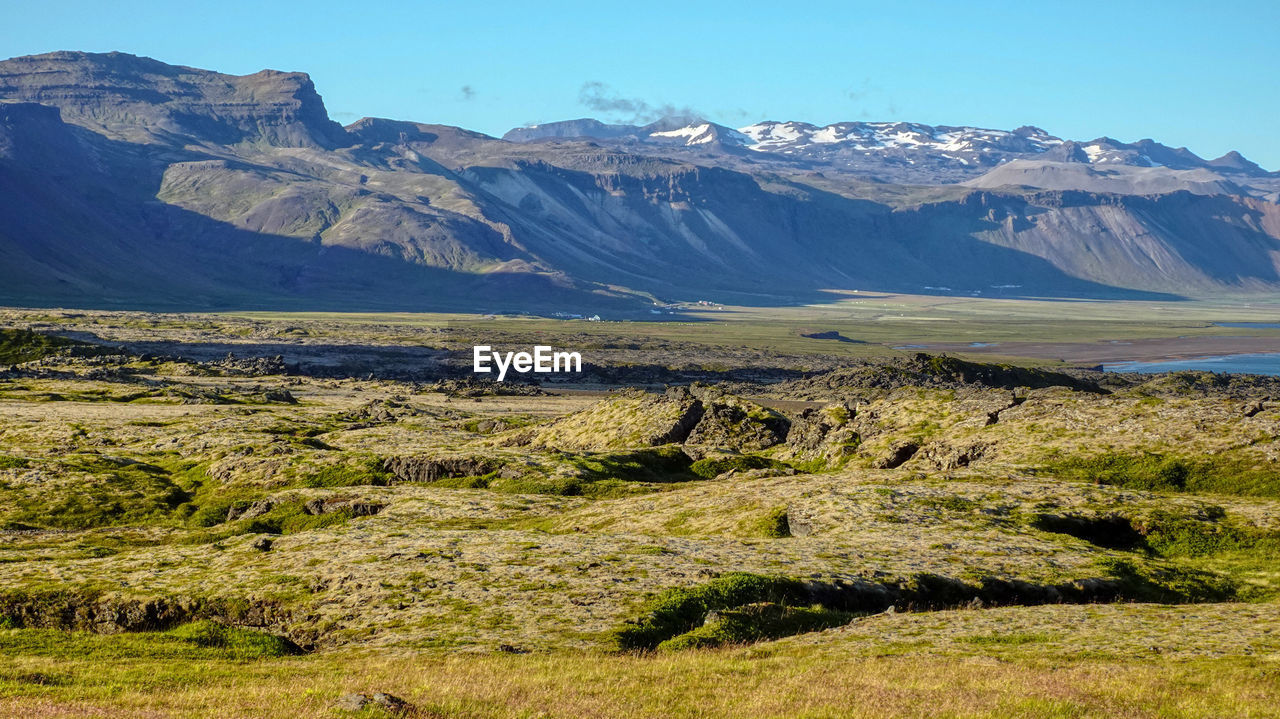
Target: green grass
{"x": 71, "y": 674}
{"x": 235, "y": 642}
{"x": 195, "y": 641}
{"x": 1167, "y": 583}
{"x": 1006, "y": 640}
{"x": 1175, "y": 535}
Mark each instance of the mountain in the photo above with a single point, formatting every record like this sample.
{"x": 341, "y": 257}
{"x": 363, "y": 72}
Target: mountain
{"x": 140, "y": 99}
{"x": 904, "y": 151}
{"x": 126, "y": 182}
{"x": 670, "y": 131}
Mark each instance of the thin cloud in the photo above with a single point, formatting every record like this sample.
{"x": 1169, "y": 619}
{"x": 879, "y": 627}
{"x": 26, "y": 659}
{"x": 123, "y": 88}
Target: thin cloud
{"x": 868, "y": 94}
{"x": 603, "y": 99}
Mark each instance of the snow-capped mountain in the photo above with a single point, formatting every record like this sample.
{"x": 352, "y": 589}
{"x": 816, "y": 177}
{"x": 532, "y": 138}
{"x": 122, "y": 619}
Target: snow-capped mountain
{"x": 702, "y": 134}
{"x": 896, "y": 151}
{"x": 803, "y": 137}
{"x": 679, "y": 131}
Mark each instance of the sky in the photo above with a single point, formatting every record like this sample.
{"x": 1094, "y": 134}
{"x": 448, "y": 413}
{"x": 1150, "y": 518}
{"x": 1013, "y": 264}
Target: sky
{"x": 1194, "y": 74}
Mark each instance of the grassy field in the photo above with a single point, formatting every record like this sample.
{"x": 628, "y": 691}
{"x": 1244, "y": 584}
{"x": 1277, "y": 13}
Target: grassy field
{"x": 213, "y": 537}
{"x": 1031, "y": 332}
{"x": 878, "y": 323}
{"x": 979, "y": 675}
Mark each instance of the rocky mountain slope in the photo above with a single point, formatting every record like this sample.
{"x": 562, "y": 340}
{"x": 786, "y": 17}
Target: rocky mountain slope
{"x": 128, "y": 182}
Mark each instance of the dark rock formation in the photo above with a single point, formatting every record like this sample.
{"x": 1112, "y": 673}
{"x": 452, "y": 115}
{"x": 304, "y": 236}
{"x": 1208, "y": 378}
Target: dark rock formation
{"x": 356, "y": 507}
{"x": 429, "y": 469}
{"x": 898, "y": 454}
{"x": 127, "y": 95}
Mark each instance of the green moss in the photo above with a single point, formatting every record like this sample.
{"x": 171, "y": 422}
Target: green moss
{"x": 368, "y": 471}
{"x": 949, "y": 503}
{"x": 774, "y": 524}
{"x": 658, "y": 464}
{"x": 591, "y": 474}
{"x": 679, "y": 610}
{"x": 1219, "y": 474}
{"x": 819, "y": 464}
{"x": 564, "y": 486}
{"x": 837, "y": 415}
{"x": 113, "y": 492}
{"x": 8, "y": 462}
{"x": 25, "y": 345}
{"x": 198, "y": 640}
{"x": 753, "y": 623}
{"x": 234, "y": 641}
{"x": 1167, "y": 583}
{"x": 481, "y": 482}
{"x": 1174, "y": 535}
{"x": 712, "y": 467}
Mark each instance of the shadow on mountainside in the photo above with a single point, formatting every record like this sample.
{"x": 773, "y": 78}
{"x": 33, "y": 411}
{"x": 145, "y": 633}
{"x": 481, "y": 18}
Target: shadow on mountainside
{"x": 80, "y": 225}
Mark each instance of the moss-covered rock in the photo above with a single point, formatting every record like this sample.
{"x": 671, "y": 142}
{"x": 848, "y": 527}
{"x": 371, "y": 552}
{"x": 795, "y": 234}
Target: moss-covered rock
{"x": 753, "y": 623}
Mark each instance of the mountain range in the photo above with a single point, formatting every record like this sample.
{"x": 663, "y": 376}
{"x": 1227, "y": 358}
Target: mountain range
{"x": 128, "y": 182}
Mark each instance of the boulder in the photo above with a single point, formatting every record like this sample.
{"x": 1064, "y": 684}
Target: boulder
{"x": 378, "y": 700}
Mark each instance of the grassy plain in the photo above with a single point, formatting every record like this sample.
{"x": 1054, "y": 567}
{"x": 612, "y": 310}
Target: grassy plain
{"x": 1023, "y": 329}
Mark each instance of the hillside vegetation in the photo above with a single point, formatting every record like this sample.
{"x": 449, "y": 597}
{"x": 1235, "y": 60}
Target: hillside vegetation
{"x": 930, "y": 519}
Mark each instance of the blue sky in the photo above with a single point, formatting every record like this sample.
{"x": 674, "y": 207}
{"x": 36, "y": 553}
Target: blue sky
{"x": 1199, "y": 74}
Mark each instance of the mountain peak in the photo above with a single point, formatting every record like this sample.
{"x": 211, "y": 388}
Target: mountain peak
{"x": 1234, "y": 161}
{"x": 144, "y": 99}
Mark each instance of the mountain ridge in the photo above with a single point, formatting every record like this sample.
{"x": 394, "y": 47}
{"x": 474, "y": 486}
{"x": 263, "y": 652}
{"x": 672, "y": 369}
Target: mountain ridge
{"x": 974, "y": 147}
{"x": 153, "y": 185}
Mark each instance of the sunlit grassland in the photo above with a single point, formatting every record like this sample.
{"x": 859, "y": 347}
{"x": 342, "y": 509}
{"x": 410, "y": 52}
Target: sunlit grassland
{"x": 876, "y": 322}
{"x": 76, "y": 676}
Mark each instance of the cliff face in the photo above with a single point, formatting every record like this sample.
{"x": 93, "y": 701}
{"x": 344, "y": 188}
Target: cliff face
{"x": 125, "y": 181}
{"x": 133, "y": 97}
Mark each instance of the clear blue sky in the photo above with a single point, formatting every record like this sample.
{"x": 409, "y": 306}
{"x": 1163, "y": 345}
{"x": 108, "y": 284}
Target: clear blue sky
{"x": 1199, "y": 74}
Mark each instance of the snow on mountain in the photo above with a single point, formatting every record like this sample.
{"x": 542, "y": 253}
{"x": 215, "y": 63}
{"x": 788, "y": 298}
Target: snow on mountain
{"x": 701, "y": 134}
{"x": 904, "y": 152}
{"x": 801, "y": 136}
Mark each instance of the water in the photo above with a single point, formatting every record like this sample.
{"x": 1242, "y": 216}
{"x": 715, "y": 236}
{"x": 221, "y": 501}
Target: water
{"x": 1266, "y": 363}
{"x": 1250, "y": 325}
